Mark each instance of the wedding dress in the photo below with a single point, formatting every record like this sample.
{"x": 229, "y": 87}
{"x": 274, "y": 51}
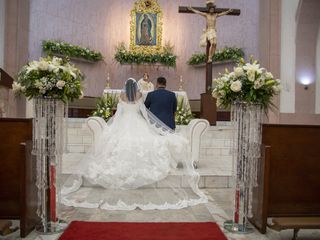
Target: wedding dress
{"x": 135, "y": 165}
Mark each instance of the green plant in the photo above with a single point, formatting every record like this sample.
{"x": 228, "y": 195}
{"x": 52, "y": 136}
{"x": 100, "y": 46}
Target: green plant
{"x": 52, "y": 47}
{"x": 105, "y": 106}
{"x": 183, "y": 114}
{"x": 166, "y": 57}
{"x": 221, "y": 55}
{"x": 49, "y": 77}
{"x": 247, "y": 83}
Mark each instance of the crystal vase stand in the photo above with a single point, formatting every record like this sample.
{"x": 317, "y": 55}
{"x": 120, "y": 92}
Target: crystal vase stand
{"x": 247, "y": 119}
{"x": 48, "y": 136}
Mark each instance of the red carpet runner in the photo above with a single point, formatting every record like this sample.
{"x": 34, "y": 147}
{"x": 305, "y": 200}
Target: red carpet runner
{"x": 142, "y": 231}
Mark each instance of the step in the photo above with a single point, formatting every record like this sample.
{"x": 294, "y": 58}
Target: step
{"x": 210, "y": 176}
{"x": 205, "y": 182}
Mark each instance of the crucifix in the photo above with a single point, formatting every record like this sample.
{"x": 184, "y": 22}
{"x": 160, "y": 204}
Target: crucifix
{"x": 209, "y": 40}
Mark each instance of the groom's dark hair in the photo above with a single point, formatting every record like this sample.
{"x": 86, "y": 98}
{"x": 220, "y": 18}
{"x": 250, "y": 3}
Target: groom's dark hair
{"x": 162, "y": 81}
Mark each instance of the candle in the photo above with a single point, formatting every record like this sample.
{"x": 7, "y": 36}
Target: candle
{"x": 181, "y": 83}
{"x": 108, "y": 81}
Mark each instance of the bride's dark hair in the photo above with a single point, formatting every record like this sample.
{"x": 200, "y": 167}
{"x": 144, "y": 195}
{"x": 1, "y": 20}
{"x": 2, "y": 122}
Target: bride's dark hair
{"x": 131, "y": 89}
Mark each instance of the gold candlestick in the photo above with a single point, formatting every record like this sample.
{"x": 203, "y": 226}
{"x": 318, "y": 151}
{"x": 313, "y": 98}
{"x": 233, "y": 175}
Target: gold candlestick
{"x": 181, "y": 84}
{"x": 108, "y": 81}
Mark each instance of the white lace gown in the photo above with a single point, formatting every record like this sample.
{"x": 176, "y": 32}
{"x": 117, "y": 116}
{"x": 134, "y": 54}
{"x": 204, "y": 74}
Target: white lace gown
{"x": 134, "y": 165}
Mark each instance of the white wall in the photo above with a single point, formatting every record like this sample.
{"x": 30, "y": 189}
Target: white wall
{"x": 2, "y": 24}
{"x": 288, "y": 55}
{"x": 101, "y": 25}
{"x": 318, "y": 74}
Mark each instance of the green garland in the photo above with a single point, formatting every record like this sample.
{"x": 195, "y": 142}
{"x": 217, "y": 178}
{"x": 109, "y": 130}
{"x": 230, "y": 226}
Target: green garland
{"x": 224, "y": 54}
{"x": 52, "y": 47}
{"x": 123, "y": 56}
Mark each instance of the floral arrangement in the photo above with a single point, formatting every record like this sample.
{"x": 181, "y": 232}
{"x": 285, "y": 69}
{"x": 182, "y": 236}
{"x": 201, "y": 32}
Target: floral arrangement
{"x": 49, "y": 77}
{"x": 165, "y": 56}
{"x": 247, "y": 83}
{"x": 105, "y": 106}
{"x": 52, "y": 47}
{"x": 224, "y": 54}
{"x": 183, "y": 114}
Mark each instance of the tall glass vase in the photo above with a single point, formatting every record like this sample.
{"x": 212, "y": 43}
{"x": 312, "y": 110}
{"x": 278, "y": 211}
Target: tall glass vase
{"x": 247, "y": 121}
{"x": 48, "y": 146}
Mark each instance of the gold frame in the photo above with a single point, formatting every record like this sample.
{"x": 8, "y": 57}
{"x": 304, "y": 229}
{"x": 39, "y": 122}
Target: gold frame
{"x": 152, "y": 7}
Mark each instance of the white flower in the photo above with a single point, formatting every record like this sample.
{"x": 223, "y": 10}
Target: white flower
{"x": 16, "y": 87}
{"x": 231, "y": 75}
{"x": 72, "y": 74}
{"x": 49, "y": 86}
{"x": 215, "y": 93}
{"x": 219, "y": 102}
{"x": 43, "y": 65}
{"x": 276, "y": 89}
{"x": 219, "y": 82}
{"x": 82, "y": 95}
{"x": 44, "y": 79}
{"x": 238, "y": 71}
{"x": 253, "y": 67}
{"x": 222, "y": 93}
{"x": 42, "y": 90}
{"x": 258, "y": 83}
{"x": 60, "y": 84}
{"x": 236, "y": 86}
{"x": 38, "y": 84}
{"x": 32, "y": 66}
{"x": 225, "y": 79}
{"x": 269, "y": 75}
{"x": 53, "y": 68}
{"x": 251, "y": 75}
{"x": 56, "y": 70}
{"x": 69, "y": 69}
{"x": 56, "y": 61}
{"x": 63, "y": 68}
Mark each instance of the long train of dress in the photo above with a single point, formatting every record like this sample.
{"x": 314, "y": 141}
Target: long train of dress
{"x": 134, "y": 165}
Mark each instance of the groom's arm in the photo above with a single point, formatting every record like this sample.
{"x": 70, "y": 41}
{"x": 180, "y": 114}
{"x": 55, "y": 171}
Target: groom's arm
{"x": 147, "y": 102}
{"x": 174, "y": 104}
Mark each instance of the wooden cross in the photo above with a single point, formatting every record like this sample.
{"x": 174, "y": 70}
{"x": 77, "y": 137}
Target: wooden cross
{"x": 208, "y": 106}
{"x": 235, "y": 12}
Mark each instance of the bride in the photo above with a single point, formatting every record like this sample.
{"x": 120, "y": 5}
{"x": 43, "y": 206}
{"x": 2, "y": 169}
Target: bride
{"x": 135, "y": 164}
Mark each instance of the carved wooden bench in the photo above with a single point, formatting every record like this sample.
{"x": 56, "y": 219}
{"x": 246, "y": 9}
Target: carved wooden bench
{"x": 295, "y": 223}
{"x": 193, "y": 132}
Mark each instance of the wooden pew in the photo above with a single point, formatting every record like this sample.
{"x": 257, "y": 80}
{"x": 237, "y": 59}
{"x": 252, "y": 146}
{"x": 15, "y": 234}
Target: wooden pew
{"x": 18, "y": 193}
{"x": 289, "y": 176}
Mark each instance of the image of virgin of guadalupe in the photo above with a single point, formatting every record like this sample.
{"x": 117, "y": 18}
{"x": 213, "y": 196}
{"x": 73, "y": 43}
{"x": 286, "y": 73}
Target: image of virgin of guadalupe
{"x": 145, "y": 31}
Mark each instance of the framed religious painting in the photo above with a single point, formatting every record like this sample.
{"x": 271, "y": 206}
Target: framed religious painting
{"x": 146, "y": 27}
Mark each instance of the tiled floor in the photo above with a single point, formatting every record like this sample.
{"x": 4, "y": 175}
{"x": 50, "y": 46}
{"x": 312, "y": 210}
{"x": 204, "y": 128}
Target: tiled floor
{"x": 217, "y": 210}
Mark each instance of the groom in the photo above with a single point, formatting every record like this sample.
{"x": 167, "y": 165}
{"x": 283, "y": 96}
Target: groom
{"x": 162, "y": 103}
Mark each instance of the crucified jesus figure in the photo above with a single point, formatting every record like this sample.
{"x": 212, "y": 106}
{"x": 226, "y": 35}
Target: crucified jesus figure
{"x": 210, "y": 34}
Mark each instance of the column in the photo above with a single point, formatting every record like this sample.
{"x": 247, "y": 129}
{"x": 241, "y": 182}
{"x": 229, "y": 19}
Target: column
{"x": 288, "y": 55}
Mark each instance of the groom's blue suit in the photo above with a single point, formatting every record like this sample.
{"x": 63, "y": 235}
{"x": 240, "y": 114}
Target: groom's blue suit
{"x": 163, "y": 104}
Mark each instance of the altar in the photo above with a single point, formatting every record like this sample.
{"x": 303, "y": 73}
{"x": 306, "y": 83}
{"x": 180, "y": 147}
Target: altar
{"x": 181, "y": 96}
